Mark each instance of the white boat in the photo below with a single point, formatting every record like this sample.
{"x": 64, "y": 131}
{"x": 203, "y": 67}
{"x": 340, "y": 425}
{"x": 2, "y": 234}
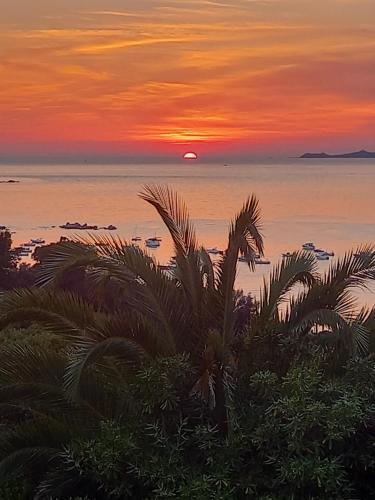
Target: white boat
{"x": 324, "y": 252}
{"x": 242, "y": 258}
{"x": 38, "y": 241}
{"x": 152, "y": 243}
{"x": 25, "y": 252}
{"x": 29, "y": 244}
{"x": 308, "y": 246}
{"x": 322, "y": 256}
{"x": 262, "y": 261}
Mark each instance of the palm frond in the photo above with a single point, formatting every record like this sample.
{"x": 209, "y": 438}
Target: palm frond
{"x": 64, "y": 257}
{"x": 59, "y": 312}
{"x": 352, "y": 334}
{"x": 24, "y": 364}
{"x": 324, "y": 318}
{"x": 88, "y": 352}
{"x": 139, "y": 281}
{"x": 354, "y": 270}
{"x": 299, "y": 268}
{"x": 207, "y": 269}
{"x": 174, "y": 214}
{"x": 245, "y": 238}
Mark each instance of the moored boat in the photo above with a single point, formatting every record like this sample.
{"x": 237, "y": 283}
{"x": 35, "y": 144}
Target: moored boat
{"x": 23, "y": 251}
{"x": 308, "y": 246}
{"x": 152, "y": 243}
{"x": 322, "y": 256}
{"x": 262, "y": 261}
{"x": 172, "y": 264}
{"x": 243, "y": 258}
{"x": 324, "y": 252}
{"x": 77, "y": 225}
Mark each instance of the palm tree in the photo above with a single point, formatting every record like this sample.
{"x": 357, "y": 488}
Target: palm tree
{"x": 324, "y": 311}
{"x": 192, "y": 309}
{"x": 329, "y": 310}
{"x": 134, "y": 310}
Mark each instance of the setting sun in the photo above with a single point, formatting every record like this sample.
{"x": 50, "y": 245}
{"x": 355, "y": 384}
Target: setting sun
{"x": 190, "y": 156}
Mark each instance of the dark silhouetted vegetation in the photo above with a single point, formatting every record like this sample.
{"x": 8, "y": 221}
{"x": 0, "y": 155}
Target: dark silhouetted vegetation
{"x": 120, "y": 380}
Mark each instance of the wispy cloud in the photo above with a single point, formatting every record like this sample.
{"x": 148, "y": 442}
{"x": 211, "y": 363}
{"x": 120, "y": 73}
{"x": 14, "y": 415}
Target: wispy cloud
{"x": 124, "y": 44}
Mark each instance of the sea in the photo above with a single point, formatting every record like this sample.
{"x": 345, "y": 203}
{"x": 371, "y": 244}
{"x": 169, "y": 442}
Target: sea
{"x": 328, "y": 202}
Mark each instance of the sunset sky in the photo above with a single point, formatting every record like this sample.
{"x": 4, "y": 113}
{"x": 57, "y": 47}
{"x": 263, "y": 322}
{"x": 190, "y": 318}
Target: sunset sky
{"x": 159, "y": 77}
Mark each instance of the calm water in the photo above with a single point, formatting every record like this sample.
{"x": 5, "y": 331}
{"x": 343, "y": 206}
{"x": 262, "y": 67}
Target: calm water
{"x": 329, "y": 202}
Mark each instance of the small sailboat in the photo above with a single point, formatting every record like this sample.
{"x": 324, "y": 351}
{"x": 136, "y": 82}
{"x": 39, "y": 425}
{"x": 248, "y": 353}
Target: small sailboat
{"x": 243, "y": 258}
{"x": 136, "y": 238}
{"x": 152, "y": 243}
{"x": 172, "y": 264}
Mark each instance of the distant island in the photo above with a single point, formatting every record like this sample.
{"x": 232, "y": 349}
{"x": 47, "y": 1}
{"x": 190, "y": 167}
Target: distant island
{"x": 355, "y": 154}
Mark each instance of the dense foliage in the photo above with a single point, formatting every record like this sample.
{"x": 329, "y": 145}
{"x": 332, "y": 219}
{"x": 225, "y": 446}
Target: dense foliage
{"x": 12, "y": 274}
{"x": 120, "y": 380}
{"x": 7, "y": 260}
